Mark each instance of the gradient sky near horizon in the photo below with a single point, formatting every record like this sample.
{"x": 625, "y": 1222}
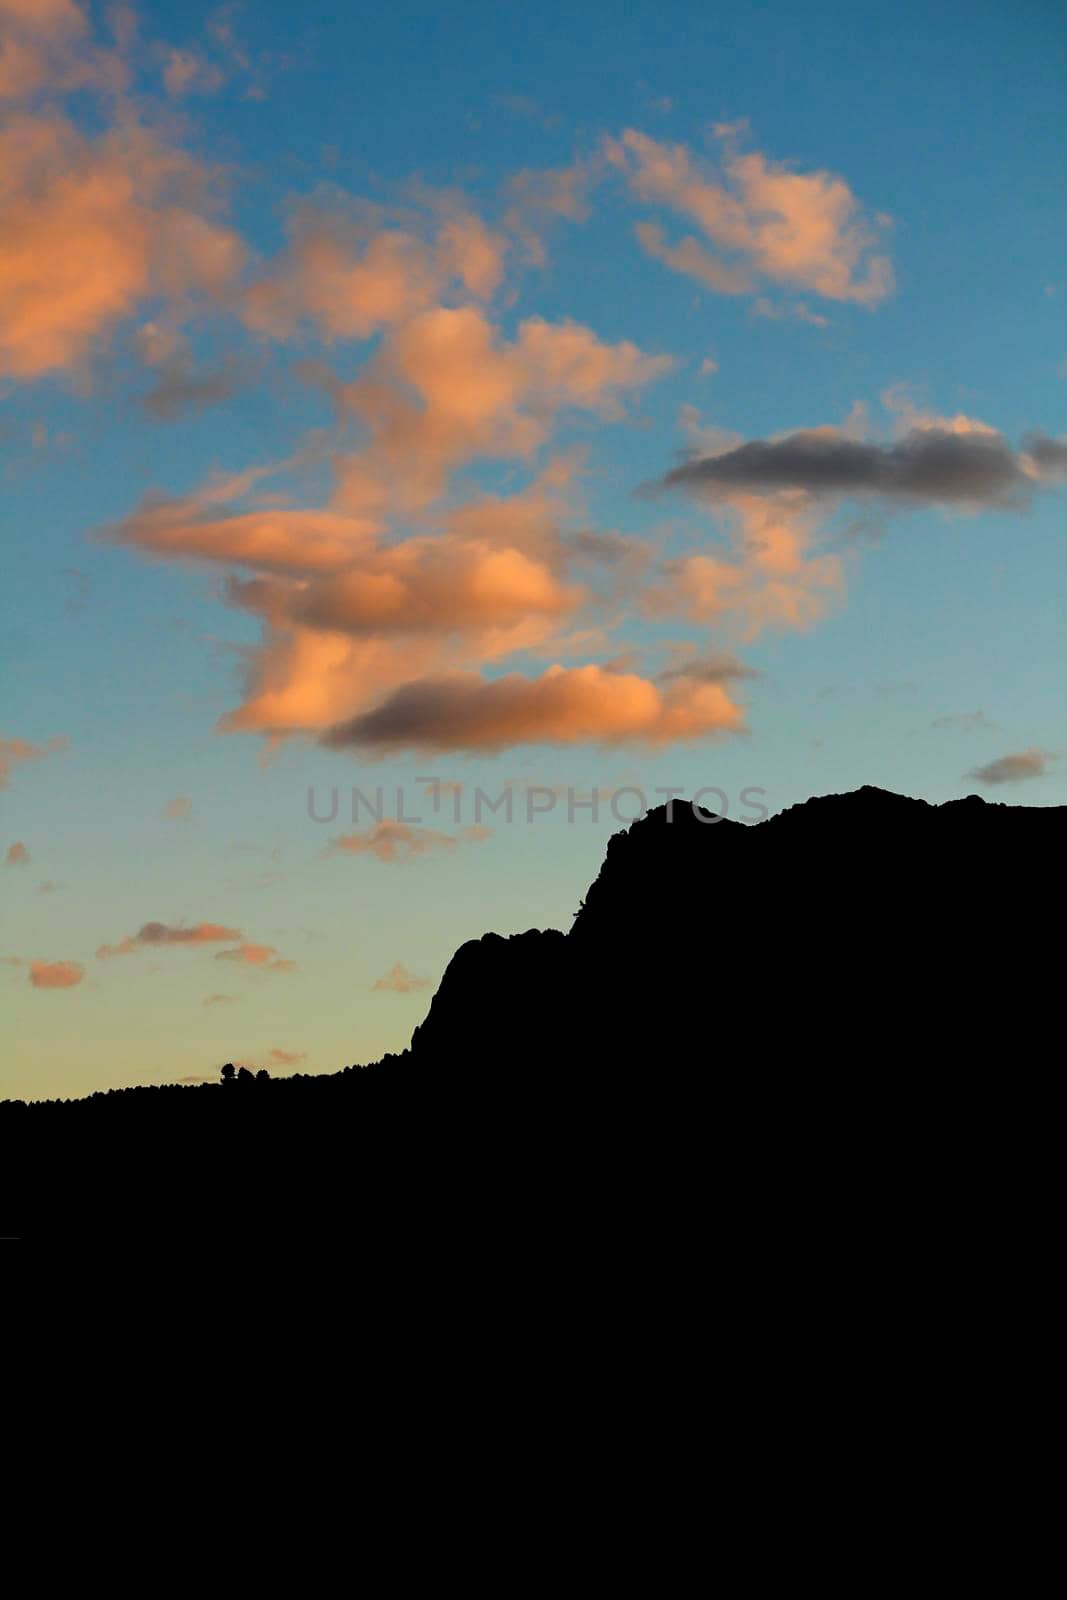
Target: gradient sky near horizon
{"x": 658, "y": 396}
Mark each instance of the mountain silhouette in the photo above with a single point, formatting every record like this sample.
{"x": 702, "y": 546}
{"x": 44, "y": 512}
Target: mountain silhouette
{"x": 849, "y": 991}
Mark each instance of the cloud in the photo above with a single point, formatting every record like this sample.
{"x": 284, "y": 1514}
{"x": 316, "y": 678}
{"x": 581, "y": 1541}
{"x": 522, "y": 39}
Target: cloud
{"x": 17, "y": 855}
{"x": 541, "y": 196}
{"x": 607, "y": 548}
{"x": 771, "y": 576}
{"x": 1047, "y": 456}
{"x": 562, "y": 706}
{"x": 219, "y": 1000}
{"x": 1031, "y": 763}
{"x": 180, "y": 809}
{"x": 186, "y": 72}
{"x": 275, "y": 539}
{"x": 398, "y": 980}
{"x": 157, "y": 934}
{"x": 716, "y": 667}
{"x": 689, "y": 256}
{"x": 394, "y": 841}
{"x": 90, "y": 227}
{"x": 15, "y": 751}
{"x": 180, "y": 391}
{"x": 773, "y": 496}
{"x": 805, "y": 230}
{"x": 348, "y": 277}
{"x": 353, "y": 606}
{"x": 288, "y": 1058}
{"x": 799, "y": 311}
{"x": 262, "y": 956}
{"x": 55, "y": 974}
{"x": 929, "y": 465}
{"x": 44, "y": 45}
{"x": 445, "y": 389}
{"x": 431, "y": 585}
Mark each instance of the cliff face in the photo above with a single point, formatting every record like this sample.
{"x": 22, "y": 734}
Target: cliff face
{"x": 847, "y": 930}
{"x": 828, "y": 1031}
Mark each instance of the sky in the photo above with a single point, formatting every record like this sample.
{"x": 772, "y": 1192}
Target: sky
{"x": 558, "y": 403}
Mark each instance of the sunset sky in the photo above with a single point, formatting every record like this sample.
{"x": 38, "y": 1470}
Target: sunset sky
{"x": 595, "y": 396}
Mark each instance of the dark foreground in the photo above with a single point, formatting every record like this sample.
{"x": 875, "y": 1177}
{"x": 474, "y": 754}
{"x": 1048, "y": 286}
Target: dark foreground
{"x": 839, "y": 1024}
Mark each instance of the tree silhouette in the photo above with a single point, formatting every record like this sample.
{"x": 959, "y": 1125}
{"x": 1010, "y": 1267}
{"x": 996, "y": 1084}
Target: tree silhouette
{"x": 227, "y": 1072}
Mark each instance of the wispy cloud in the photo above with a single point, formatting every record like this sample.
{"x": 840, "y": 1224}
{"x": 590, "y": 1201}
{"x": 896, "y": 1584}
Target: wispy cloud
{"x": 156, "y": 935}
{"x": 395, "y": 841}
{"x": 801, "y": 230}
{"x": 263, "y": 957}
{"x": 15, "y": 751}
{"x": 1032, "y": 763}
{"x": 398, "y": 980}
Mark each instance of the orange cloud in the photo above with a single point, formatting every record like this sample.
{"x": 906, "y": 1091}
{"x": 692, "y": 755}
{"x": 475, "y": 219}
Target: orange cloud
{"x": 43, "y": 45}
{"x": 180, "y": 809}
{"x": 690, "y": 257}
{"x": 264, "y": 956}
{"x": 14, "y": 751}
{"x": 444, "y": 390}
{"x": 289, "y": 541}
{"x": 349, "y": 278}
{"x": 155, "y": 934}
{"x": 563, "y": 706}
{"x": 91, "y": 227}
{"x": 805, "y": 230}
{"x": 772, "y": 577}
{"x": 431, "y": 585}
{"x": 349, "y": 612}
{"x": 400, "y": 841}
{"x": 55, "y": 974}
{"x": 17, "y": 855}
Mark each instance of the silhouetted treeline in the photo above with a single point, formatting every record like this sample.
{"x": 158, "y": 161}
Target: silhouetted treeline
{"x": 843, "y": 1000}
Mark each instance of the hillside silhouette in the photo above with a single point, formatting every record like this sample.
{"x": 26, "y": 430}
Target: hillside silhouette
{"x": 854, "y": 987}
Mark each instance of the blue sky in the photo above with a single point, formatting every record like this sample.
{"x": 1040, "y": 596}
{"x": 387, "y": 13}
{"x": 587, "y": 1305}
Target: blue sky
{"x": 291, "y": 276}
